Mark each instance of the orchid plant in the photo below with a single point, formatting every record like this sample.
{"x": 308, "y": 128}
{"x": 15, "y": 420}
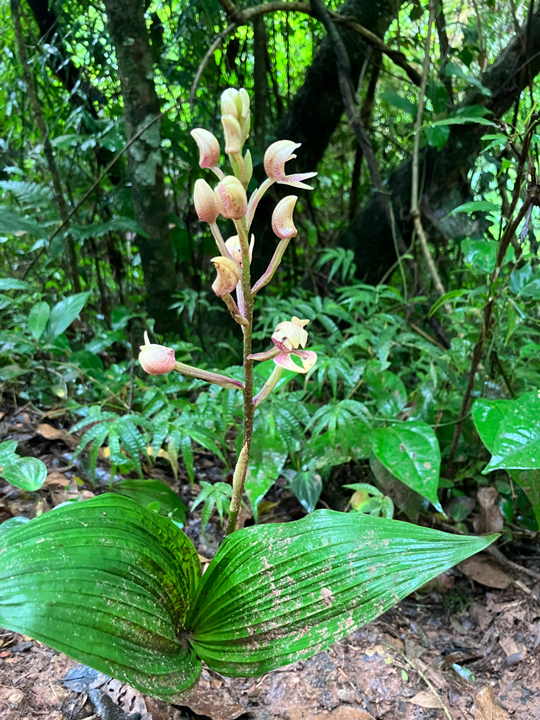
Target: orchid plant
{"x": 233, "y": 265}
{"x": 120, "y": 588}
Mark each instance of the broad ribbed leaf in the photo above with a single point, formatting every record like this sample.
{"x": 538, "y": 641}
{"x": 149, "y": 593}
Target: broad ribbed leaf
{"x": 146, "y": 491}
{"x": 275, "y": 594}
{"x": 108, "y": 583}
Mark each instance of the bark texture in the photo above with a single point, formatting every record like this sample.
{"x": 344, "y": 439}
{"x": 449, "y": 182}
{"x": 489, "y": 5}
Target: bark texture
{"x": 129, "y": 34}
{"x": 444, "y": 172}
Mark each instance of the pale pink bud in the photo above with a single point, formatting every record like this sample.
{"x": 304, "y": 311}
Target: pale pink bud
{"x": 233, "y": 134}
{"x": 209, "y": 150}
{"x": 282, "y": 218}
{"x": 274, "y": 164}
{"x": 244, "y": 100}
{"x": 228, "y": 275}
{"x": 156, "y": 359}
{"x": 289, "y": 336}
{"x": 206, "y": 205}
{"x": 232, "y": 199}
{"x": 229, "y": 105}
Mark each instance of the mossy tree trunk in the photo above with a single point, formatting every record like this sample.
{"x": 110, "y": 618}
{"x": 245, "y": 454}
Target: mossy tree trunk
{"x": 127, "y": 27}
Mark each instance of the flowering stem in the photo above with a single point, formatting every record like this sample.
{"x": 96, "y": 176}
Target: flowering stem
{"x": 249, "y": 408}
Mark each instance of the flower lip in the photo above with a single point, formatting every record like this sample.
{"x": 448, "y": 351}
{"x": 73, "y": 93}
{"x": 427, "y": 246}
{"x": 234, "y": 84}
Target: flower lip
{"x": 228, "y": 275}
{"x": 156, "y": 359}
{"x": 290, "y": 335}
{"x": 274, "y": 164}
{"x": 282, "y": 218}
{"x": 209, "y": 150}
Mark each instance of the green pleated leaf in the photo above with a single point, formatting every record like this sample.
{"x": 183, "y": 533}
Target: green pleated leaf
{"x": 275, "y": 594}
{"x": 410, "y": 451}
{"x": 147, "y": 491}
{"x": 517, "y": 442}
{"x": 108, "y": 583}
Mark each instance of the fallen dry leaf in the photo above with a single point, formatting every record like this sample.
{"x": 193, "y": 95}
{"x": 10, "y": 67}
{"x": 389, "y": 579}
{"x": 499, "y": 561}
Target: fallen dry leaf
{"x": 51, "y": 433}
{"x": 511, "y": 647}
{"x": 217, "y": 703}
{"x": 57, "y": 478}
{"x": 480, "y": 569}
{"x": 485, "y": 707}
{"x": 426, "y": 699}
{"x": 489, "y": 519}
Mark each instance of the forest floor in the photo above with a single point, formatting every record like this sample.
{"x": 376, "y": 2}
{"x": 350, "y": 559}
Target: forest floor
{"x": 464, "y": 648}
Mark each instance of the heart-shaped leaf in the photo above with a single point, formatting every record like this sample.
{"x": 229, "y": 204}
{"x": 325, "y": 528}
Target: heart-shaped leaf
{"x": 26, "y": 473}
{"x": 410, "y": 451}
{"x": 488, "y": 416}
{"x": 108, "y": 583}
{"x": 517, "y": 444}
{"x": 275, "y": 594}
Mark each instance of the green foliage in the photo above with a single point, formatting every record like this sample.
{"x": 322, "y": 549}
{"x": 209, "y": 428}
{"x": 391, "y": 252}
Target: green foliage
{"x": 26, "y": 473}
{"x": 216, "y": 496}
{"x": 126, "y": 595}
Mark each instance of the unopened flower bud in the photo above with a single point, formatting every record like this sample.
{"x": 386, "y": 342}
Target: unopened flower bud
{"x": 233, "y": 134}
{"x": 232, "y": 199}
{"x": 228, "y": 103}
{"x": 156, "y": 359}
{"x": 209, "y": 150}
{"x": 248, "y": 168}
{"x": 282, "y": 218}
{"x": 206, "y": 205}
{"x": 228, "y": 276}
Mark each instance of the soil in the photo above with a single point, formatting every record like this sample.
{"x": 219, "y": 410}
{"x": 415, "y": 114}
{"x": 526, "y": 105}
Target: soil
{"x": 464, "y": 648}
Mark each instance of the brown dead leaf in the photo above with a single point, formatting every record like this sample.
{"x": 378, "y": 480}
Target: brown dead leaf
{"x": 346, "y": 712}
{"x": 485, "y": 707}
{"x": 217, "y": 703}
{"x": 426, "y": 699}
{"x": 511, "y": 647}
{"x": 51, "y": 433}
{"x": 490, "y": 518}
{"x": 482, "y": 570}
{"x": 56, "y": 478}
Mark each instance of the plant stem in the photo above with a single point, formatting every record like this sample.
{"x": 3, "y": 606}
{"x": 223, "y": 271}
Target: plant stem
{"x": 249, "y": 409}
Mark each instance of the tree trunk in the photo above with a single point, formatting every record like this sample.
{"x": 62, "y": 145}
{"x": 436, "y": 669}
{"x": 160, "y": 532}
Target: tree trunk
{"x": 445, "y": 171}
{"x": 127, "y": 27}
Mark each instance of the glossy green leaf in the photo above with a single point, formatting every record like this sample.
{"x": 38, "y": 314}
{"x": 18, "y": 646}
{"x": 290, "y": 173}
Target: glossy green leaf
{"x": 529, "y": 482}
{"x": 275, "y": 594}
{"x": 13, "y": 284}
{"x": 64, "y": 313}
{"x": 108, "y": 583}
{"x": 150, "y": 491}
{"x": 38, "y": 318}
{"x": 410, "y": 451}
{"x": 26, "y": 473}
{"x": 13, "y": 523}
{"x": 482, "y": 254}
{"x": 395, "y": 100}
{"x": 8, "y": 452}
{"x": 474, "y": 206}
{"x": 487, "y": 416}
{"x": 307, "y": 486}
{"x": 517, "y": 445}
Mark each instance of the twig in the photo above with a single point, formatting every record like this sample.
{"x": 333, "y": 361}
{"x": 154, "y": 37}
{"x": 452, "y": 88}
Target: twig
{"x": 425, "y": 679}
{"x": 238, "y": 17}
{"x": 415, "y": 212}
{"x": 220, "y": 37}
